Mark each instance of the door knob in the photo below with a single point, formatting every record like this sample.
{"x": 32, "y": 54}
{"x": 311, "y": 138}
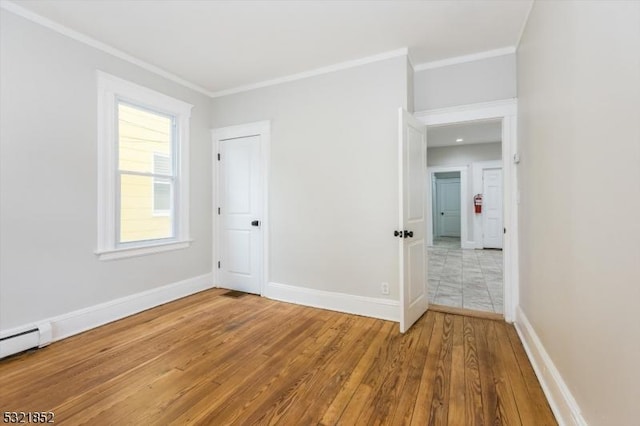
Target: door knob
{"x": 255, "y": 223}
{"x": 408, "y": 234}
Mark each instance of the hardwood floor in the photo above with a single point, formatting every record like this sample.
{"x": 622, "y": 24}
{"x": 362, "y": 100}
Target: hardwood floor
{"x": 211, "y": 359}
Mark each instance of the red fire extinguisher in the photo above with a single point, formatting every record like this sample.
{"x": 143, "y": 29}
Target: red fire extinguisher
{"x": 477, "y": 202}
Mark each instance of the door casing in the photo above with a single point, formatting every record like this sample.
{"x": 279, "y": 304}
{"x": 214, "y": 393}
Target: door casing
{"x": 262, "y": 129}
{"x": 506, "y": 110}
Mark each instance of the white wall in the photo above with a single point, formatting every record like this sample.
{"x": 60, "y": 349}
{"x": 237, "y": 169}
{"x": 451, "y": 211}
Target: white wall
{"x": 484, "y": 80}
{"x": 334, "y": 175}
{"x": 579, "y": 136}
{"x": 461, "y": 155}
{"x": 468, "y": 156}
{"x": 410, "y": 87}
{"x": 48, "y": 178}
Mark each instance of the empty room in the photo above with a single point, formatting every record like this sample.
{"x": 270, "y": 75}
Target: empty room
{"x": 319, "y": 212}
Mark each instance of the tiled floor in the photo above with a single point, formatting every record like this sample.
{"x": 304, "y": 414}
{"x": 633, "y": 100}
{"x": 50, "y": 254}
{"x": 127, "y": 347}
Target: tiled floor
{"x": 470, "y": 279}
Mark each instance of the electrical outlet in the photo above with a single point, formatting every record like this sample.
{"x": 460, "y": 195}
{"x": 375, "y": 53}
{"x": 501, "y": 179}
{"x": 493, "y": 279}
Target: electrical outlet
{"x": 384, "y": 288}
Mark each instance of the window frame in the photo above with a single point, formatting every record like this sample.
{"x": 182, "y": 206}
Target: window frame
{"x": 111, "y": 91}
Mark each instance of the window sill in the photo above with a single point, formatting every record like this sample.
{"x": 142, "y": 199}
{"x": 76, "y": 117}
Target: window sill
{"x": 121, "y": 253}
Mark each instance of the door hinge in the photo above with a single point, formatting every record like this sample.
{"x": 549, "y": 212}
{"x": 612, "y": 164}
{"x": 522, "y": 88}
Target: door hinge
{"x": 218, "y": 156}
{"x": 504, "y": 230}
{"x": 218, "y": 210}
{"x": 218, "y": 264}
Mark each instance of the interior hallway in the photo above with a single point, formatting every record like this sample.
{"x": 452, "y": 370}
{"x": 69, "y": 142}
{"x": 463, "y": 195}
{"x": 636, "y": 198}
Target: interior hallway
{"x": 469, "y": 279}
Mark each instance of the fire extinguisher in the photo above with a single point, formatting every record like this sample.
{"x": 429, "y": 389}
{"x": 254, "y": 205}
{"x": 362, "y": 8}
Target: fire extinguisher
{"x": 477, "y": 202}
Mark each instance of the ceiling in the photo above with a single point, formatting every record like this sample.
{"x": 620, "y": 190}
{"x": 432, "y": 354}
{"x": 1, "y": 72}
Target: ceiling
{"x": 220, "y": 45}
{"x": 470, "y": 133}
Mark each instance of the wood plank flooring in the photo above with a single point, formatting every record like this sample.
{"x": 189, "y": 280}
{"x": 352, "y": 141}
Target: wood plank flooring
{"x": 209, "y": 359}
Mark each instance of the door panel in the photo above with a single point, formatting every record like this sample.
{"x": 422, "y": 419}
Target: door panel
{"x": 240, "y": 204}
{"x": 413, "y": 256}
{"x": 238, "y": 245}
{"x": 492, "y": 208}
{"x": 237, "y": 166}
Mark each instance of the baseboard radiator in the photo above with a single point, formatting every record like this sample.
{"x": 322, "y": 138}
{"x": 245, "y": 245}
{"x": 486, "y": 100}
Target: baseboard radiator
{"x": 14, "y": 342}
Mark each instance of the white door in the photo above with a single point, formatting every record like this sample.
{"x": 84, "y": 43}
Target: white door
{"x": 492, "y": 228}
{"x": 413, "y": 204}
{"x": 448, "y": 192}
{"x": 240, "y": 214}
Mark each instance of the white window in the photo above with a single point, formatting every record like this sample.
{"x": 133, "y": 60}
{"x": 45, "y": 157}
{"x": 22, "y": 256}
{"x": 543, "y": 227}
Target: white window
{"x": 143, "y": 139}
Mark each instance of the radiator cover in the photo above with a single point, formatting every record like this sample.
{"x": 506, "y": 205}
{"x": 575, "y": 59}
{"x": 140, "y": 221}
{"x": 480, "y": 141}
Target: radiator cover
{"x": 16, "y": 341}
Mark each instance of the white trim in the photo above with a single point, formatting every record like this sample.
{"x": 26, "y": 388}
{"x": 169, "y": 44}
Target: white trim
{"x": 470, "y": 112}
{"x": 466, "y": 58}
{"x": 152, "y": 248}
{"x": 510, "y": 198}
{"x": 75, "y": 35}
{"x": 69, "y": 324}
{"x": 263, "y": 130}
{"x": 109, "y": 90}
{"x": 315, "y": 72}
{"x": 385, "y": 309}
{"x": 506, "y": 110}
{"x": 524, "y": 24}
{"x": 563, "y": 404}
{"x": 464, "y": 211}
{"x": 153, "y": 99}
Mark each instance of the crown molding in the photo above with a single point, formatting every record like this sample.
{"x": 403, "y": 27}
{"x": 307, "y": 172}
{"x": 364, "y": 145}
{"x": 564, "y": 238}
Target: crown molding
{"x": 466, "y": 58}
{"x": 75, "y": 35}
{"x": 14, "y": 8}
{"x": 315, "y": 72}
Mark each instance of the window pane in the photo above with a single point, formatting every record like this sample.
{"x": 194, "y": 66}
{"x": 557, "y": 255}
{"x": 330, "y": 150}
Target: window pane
{"x": 143, "y": 135}
{"x": 161, "y": 196}
{"x": 137, "y": 219}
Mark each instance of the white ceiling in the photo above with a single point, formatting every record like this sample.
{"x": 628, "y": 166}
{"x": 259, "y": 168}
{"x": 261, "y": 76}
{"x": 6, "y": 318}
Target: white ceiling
{"x": 220, "y": 45}
{"x": 473, "y": 132}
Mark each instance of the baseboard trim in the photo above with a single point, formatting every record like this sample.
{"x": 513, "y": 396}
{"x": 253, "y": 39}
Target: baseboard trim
{"x": 348, "y": 303}
{"x": 69, "y": 324}
{"x": 563, "y": 404}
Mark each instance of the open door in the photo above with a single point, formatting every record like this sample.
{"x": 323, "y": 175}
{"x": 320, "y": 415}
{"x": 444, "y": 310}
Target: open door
{"x": 413, "y": 210}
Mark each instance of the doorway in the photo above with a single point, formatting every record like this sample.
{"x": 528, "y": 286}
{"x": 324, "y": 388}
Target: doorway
{"x": 466, "y": 276}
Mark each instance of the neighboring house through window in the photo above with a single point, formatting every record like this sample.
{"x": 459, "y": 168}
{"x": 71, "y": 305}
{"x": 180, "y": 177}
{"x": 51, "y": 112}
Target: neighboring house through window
{"x": 143, "y": 142}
